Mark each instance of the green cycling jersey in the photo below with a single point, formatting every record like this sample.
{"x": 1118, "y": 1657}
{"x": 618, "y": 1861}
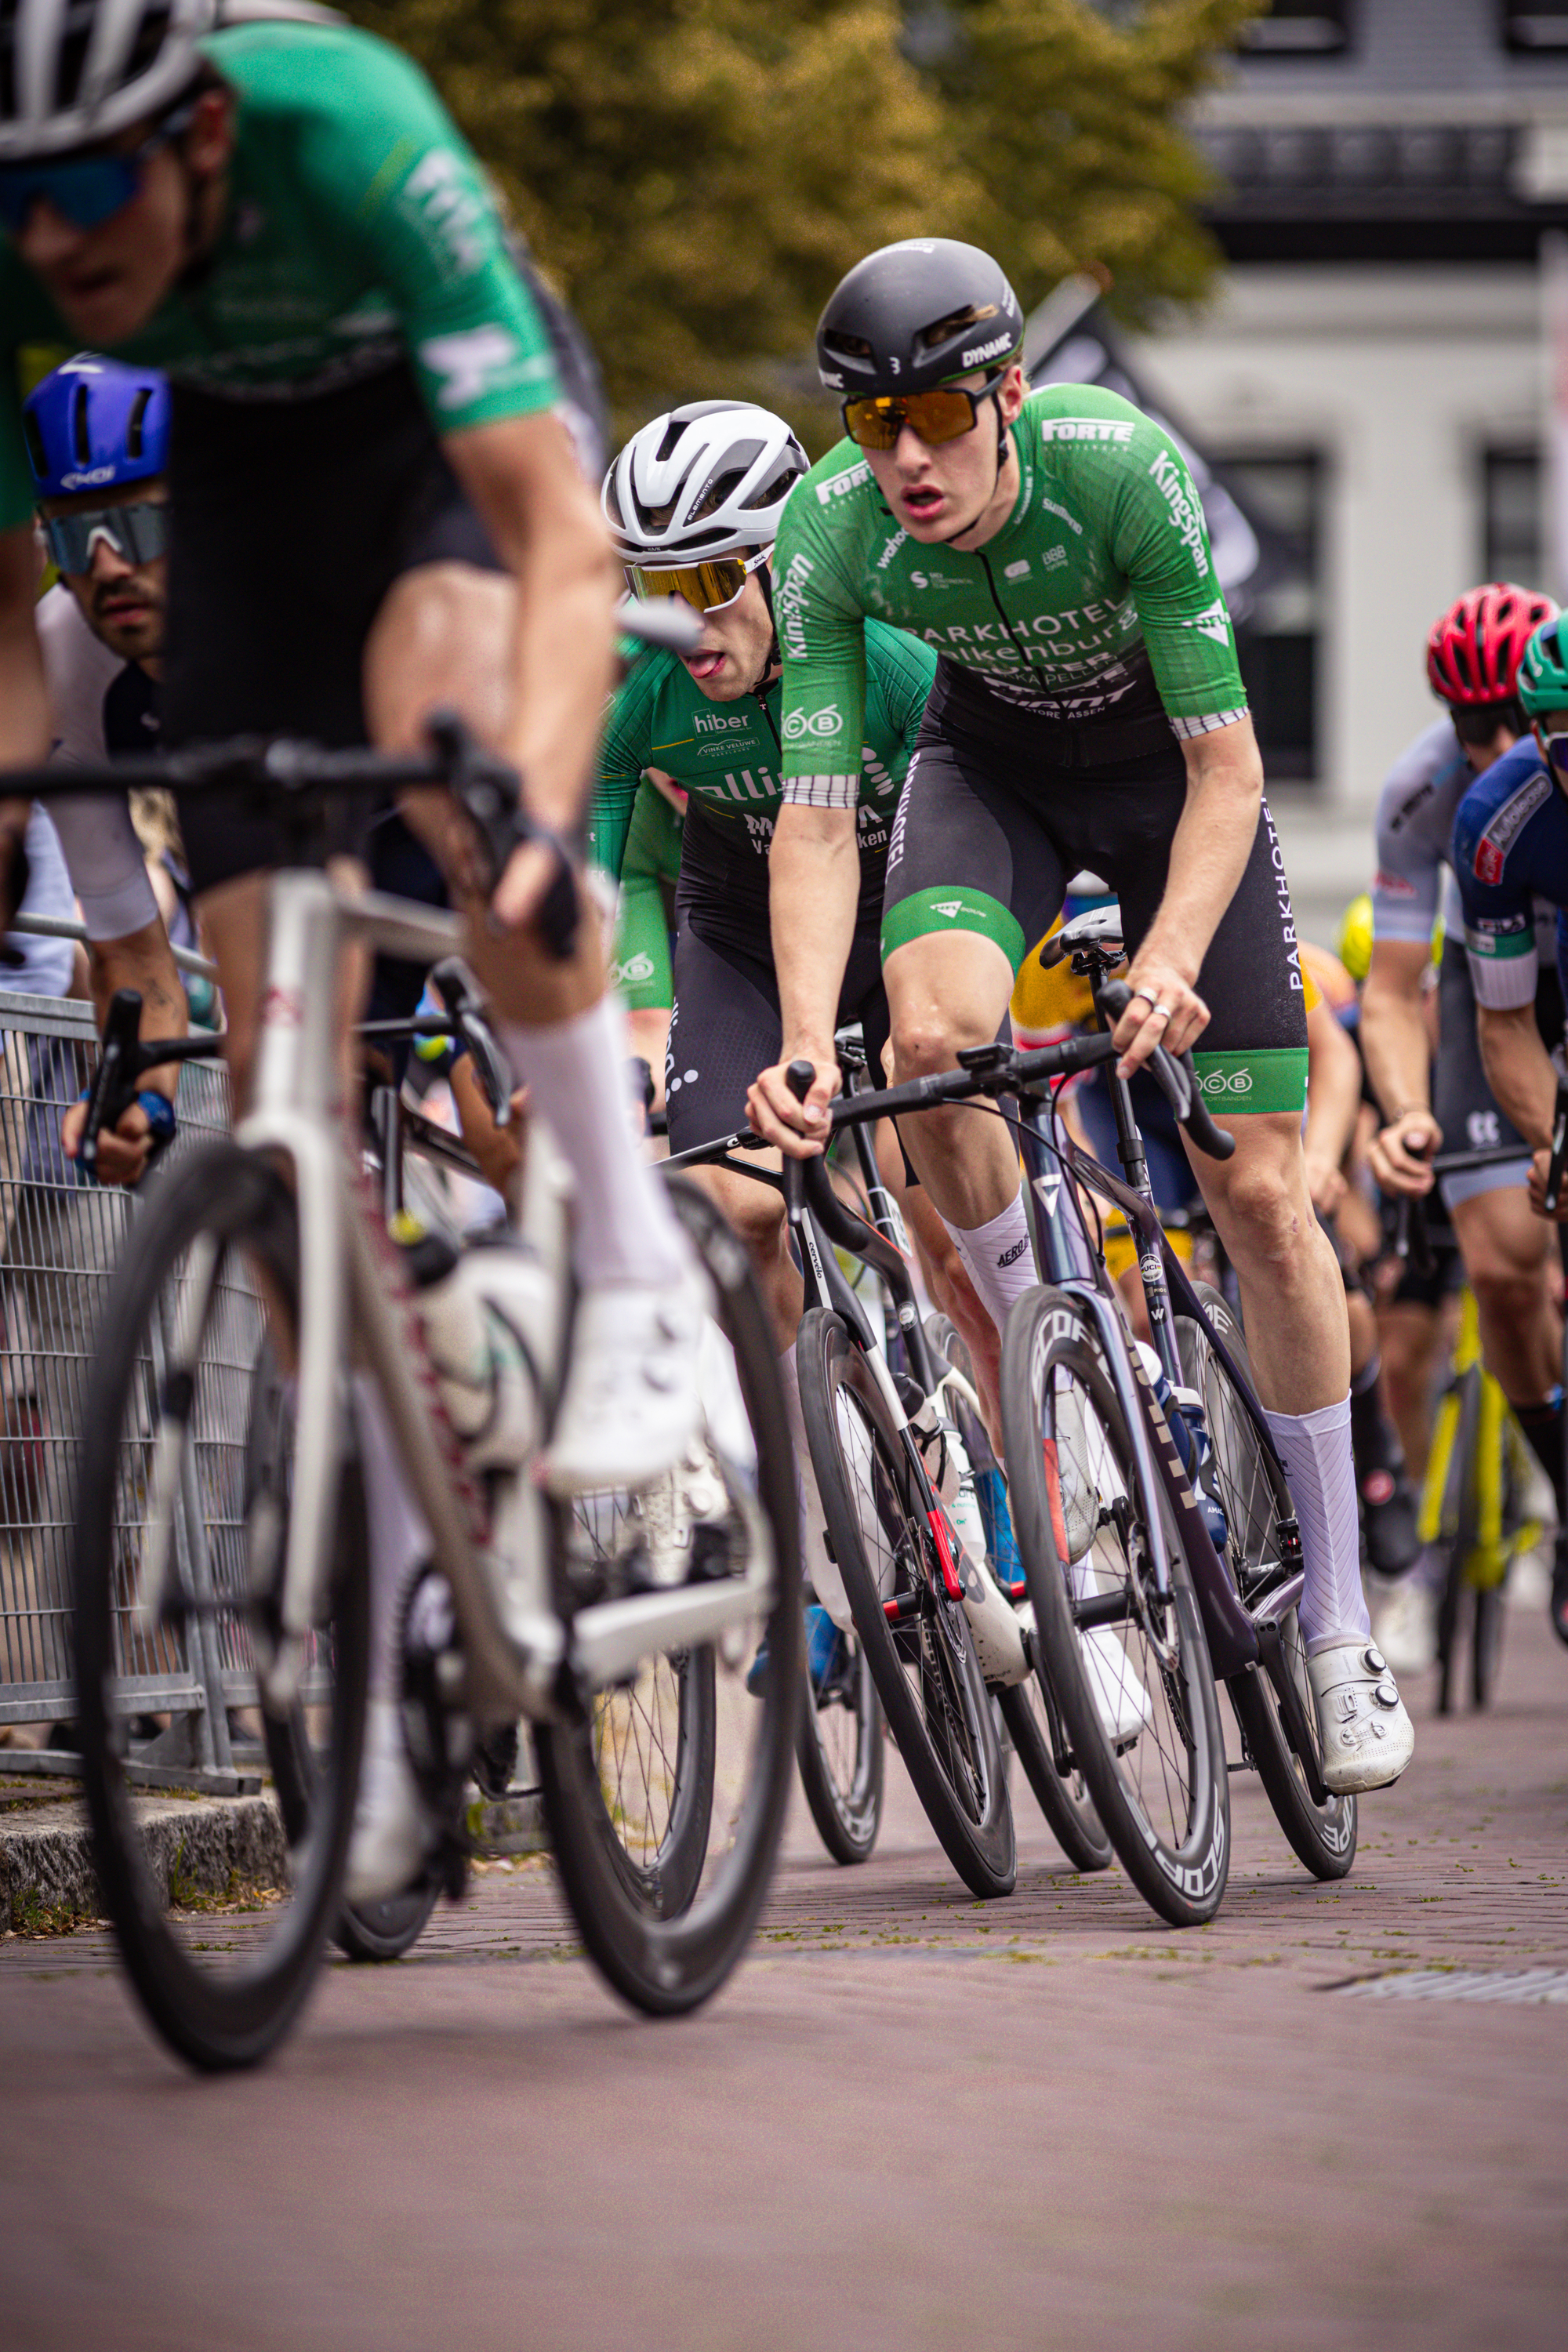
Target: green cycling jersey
{"x": 359, "y": 233}
{"x": 642, "y": 969}
{"x": 729, "y": 755}
{"x": 1098, "y": 588}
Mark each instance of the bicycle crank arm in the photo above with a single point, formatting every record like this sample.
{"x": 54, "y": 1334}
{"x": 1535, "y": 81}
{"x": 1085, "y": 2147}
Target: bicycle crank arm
{"x": 611, "y": 1640}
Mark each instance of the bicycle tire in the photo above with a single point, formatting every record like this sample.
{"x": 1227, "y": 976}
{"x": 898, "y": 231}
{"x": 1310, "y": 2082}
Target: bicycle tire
{"x": 661, "y": 1960}
{"x": 844, "y": 1780}
{"x": 1322, "y": 1836}
{"x": 1072, "y": 1467}
{"x": 1028, "y": 1709}
{"x": 215, "y": 2017}
{"x": 947, "y": 1738}
{"x": 1486, "y": 1622}
{"x": 368, "y": 1931}
{"x": 1458, "y": 1512}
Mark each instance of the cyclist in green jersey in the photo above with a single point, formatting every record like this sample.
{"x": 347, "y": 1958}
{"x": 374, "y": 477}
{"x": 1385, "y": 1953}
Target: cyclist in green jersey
{"x": 285, "y": 219}
{"x": 694, "y": 500}
{"x": 1088, "y": 713}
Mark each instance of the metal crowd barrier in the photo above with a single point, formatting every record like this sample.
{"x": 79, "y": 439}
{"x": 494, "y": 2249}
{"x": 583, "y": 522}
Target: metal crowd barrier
{"x": 60, "y": 1239}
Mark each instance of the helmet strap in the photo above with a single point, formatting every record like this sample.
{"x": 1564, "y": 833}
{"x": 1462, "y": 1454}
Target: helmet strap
{"x": 775, "y": 659}
{"x": 995, "y": 479}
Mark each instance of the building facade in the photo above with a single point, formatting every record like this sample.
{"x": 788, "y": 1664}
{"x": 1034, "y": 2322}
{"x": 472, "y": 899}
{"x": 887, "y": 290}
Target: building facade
{"x": 1371, "y": 375}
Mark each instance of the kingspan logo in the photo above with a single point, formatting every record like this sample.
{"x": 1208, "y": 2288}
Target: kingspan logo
{"x": 826, "y": 721}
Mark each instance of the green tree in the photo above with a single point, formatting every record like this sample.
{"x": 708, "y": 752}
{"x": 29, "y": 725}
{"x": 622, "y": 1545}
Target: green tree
{"x": 1071, "y": 117}
{"x": 697, "y": 175}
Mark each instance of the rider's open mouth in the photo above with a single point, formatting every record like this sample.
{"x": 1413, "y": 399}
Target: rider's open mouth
{"x": 926, "y": 501}
{"x": 707, "y": 662}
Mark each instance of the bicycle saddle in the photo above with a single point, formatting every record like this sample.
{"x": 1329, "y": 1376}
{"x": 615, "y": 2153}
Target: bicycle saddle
{"x": 1098, "y": 927}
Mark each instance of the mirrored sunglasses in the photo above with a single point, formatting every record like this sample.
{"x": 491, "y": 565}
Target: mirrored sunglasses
{"x": 138, "y": 534}
{"x": 707, "y": 587}
{"x": 84, "y": 190}
{"x": 945, "y": 414}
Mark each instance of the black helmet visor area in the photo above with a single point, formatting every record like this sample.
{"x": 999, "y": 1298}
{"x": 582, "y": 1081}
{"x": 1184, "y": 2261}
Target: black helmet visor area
{"x": 915, "y": 315}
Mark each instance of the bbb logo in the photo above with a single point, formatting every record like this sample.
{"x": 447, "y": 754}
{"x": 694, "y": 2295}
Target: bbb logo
{"x": 812, "y": 723}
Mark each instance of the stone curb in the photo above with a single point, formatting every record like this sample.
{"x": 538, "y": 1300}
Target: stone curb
{"x": 207, "y": 1845}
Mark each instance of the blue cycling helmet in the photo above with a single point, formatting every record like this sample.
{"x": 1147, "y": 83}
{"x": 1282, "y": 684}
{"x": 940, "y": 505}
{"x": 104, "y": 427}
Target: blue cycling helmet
{"x": 94, "y": 424}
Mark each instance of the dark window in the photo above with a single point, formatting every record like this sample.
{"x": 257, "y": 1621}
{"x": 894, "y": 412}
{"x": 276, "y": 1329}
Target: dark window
{"x": 1280, "y": 659}
{"x": 1510, "y": 516}
{"x": 1295, "y": 29}
{"x": 1538, "y": 25}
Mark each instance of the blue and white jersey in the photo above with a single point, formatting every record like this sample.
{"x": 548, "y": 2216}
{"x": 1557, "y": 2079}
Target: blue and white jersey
{"x": 1510, "y": 848}
{"x": 99, "y": 705}
{"x": 1415, "y": 811}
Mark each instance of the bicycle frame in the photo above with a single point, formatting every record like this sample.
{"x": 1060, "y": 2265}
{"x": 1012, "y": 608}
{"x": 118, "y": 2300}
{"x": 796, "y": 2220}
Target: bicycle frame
{"x": 351, "y": 1286}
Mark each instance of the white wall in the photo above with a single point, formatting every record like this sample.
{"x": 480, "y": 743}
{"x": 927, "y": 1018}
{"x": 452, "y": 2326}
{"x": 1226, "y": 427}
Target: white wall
{"x": 1399, "y": 377}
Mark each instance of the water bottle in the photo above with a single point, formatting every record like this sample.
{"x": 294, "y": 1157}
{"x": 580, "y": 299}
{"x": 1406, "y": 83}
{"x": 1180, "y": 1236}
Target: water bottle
{"x": 1183, "y": 1412}
{"x": 477, "y": 1308}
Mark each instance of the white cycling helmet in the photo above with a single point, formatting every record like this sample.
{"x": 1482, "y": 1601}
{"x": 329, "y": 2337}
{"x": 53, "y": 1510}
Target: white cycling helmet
{"x": 73, "y": 72}
{"x": 706, "y": 479}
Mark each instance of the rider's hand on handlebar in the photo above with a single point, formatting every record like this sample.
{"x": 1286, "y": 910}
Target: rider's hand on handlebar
{"x": 1400, "y": 1154}
{"x": 520, "y": 892}
{"x": 1166, "y": 1009}
{"x": 801, "y": 1130}
{"x": 123, "y": 1150}
{"x": 1325, "y": 1182}
{"x": 1539, "y": 1168}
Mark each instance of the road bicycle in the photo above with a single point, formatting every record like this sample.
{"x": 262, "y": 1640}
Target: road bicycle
{"x": 521, "y": 1622}
{"x": 1478, "y": 1466}
{"x": 839, "y": 1744}
{"x": 1154, "y": 1522}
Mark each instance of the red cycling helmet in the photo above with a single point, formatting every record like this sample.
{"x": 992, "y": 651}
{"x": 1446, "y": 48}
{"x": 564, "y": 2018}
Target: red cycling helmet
{"x": 1475, "y": 649}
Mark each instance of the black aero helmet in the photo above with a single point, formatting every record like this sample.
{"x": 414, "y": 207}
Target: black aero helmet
{"x": 915, "y": 315}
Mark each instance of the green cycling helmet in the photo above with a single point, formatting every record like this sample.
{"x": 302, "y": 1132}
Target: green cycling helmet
{"x": 1541, "y": 682}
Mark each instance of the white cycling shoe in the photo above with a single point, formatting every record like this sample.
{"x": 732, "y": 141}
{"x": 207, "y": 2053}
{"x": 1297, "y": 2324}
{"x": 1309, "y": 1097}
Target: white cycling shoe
{"x": 393, "y": 1834}
{"x": 1367, "y": 1737}
{"x": 633, "y": 1398}
{"x": 1120, "y": 1697}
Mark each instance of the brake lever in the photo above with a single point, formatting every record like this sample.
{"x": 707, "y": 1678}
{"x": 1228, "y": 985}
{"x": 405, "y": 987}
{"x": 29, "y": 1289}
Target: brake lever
{"x": 461, "y": 996}
{"x": 800, "y": 1077}
{"x": 1559, "y": 1161}
{"x": 113, "y": 1088}
{"x": 488, "y": 791}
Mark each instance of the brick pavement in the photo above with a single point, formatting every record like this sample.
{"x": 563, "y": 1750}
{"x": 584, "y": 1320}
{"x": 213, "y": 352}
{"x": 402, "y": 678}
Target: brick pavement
{"x": 909, "y": 2120}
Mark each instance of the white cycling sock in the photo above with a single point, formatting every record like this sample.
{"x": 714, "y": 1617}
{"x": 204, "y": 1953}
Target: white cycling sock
{"x": 574, "y": 1070}
{"x": 1315, "y": 1448}
{"x": 1000, "y": 1261}
{"x": 399, "y": 1538}
{"x": 821, "y": 1573}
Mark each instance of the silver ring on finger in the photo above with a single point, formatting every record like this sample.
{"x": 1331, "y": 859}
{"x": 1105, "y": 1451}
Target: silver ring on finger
{"x": 1163, "y": 1010}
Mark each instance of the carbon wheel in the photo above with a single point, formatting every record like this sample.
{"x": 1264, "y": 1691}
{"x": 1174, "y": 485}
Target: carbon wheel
{"x": 840, "y": 1752}
{"x": 924, "y": 1667}
{"x": 221, "y": 1945}
{"x": 1124, "y": 1656}
{"x": 1323, "y": 1836}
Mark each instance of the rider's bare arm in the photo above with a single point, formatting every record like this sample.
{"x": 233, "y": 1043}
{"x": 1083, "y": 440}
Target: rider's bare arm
{"x": 524, "y": 480}
{"x": 1333, "y": 1100}
{"x": 144, "y": 961}
{"x": 23, "y": 705}
{"x": 1209, "y": 851}
{"x": 1398, "y": 1061}
{"x": 1519, "y": 1074}
{"x": 813, "y": 887}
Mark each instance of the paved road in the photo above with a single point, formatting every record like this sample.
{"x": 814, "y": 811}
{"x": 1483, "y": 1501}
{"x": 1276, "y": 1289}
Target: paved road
{"x": 910, "y": 2120}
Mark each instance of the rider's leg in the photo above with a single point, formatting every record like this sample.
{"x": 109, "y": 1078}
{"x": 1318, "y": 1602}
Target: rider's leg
{"x": 1410, "y": 1337}
{"x": 1388, "y": 1506}
{"x": 1507, "y": 1254}
{"x": 946, "y": 992}
{"x": 442, "y": 638}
